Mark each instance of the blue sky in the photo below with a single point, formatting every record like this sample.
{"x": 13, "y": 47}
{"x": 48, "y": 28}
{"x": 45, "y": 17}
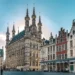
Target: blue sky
{"x": 54, "y": 13}
{"x": 61, "y": 12}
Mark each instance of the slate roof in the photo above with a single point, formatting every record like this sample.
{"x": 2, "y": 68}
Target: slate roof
{"x": 1, "y": 52}
{"x": 47, "y": 42}
{"x": 18, "y": 36}
{"x": 53, "y": 40}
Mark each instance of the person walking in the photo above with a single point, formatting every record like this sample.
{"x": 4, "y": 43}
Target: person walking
{"x": 1, "y": 71}
{"x": 1, "y": 56}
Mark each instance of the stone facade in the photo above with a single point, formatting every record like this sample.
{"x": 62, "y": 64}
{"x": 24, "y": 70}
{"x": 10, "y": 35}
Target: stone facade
{"x": 23, "y": 50}
{"x": 64, "y": 51}
{"x": 48, "y": 53}
{"x": 71, "y": 47}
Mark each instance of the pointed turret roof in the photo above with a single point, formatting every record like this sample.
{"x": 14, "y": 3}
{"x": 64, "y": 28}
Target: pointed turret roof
{"x": 7, "y": 30}
{"x": 13, "y": 28}
{"x": 34, "y": 15}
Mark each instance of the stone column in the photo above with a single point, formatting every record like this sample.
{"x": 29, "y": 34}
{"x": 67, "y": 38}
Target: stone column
{"x": 63, "y": 66}
{"x": 55, "y": 66}
{"x": 60, "y": 66}
{"x": 52, "y": 66}
{"x": 69, "y": 66}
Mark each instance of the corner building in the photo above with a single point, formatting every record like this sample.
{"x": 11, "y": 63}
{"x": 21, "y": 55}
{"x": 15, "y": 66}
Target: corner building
{"x": 23, "y": 50}
{"x": 71, "y": 47}
{"x": 62, "y": 58}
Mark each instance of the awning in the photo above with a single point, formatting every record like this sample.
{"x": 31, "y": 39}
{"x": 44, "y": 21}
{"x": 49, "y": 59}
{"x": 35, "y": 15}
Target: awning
{"x": 61, "y": 60}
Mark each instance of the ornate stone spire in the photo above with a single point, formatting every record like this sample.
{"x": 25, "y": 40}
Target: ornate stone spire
{"x": 27, "y": 18}
{"x": 13, "y": 31}
{"x": 39, "y": 25}
{"x": 7, "y": 30}
{"x": 33, "y": 10}
{"x": 34, "y": 27}
{"x": 51, "y": 36}
{"x": 40, "y": 20}
{"x": 39, "y": 28}
{"x": 73, "y": 23}
{"x": 33, "y": 17}
{"x": 27, "y": 14}
{"x": 7, "y": 36}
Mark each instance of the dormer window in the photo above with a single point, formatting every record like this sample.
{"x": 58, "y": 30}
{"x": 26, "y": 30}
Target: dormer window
{"x": 68, "y": 34}
{"x": 71, "y": 36}
{"x": 73, "y": 31}
{"x": 51, "y": 40}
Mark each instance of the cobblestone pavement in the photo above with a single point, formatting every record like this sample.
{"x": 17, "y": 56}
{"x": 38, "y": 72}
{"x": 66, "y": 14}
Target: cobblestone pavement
{"x": 35, "y": 73}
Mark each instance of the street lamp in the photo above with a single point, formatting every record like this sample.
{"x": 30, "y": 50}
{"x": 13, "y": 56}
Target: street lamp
{"x": 1, "y": 55}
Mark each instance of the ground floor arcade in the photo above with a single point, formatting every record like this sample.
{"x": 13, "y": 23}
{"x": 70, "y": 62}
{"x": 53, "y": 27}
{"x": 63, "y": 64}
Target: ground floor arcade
{"x": 59, "y": 65}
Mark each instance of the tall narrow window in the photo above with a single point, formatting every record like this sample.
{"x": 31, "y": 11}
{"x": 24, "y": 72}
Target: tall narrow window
{"x": 62, "y": 56}
{"x": 65, "y": 56}
{"x": 48, "y": 57}
{"x": 53, "y": 56}
{"x": 37, "y": 63}
{"x": 48, "y": 50}
{"x": 71, "y": 53}
{"x": 57, "y": 48}
{"x": 65, "y": 46}
{"x": 53, "y": 48}
{"x": 71, "y": 43}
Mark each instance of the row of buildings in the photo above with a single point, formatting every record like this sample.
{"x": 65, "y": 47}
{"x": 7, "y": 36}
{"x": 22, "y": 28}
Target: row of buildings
{"x": 27, "y": 50}
{"x": 58, "y": 54}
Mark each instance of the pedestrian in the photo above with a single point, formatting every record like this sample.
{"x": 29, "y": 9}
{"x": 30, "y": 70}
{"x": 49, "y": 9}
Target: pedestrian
{"x": 1, "y": 71}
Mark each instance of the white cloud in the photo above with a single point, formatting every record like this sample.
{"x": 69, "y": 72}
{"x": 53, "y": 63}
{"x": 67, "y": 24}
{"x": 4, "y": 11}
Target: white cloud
{"x": 48, "y": 27}
{"x": 2, "y": 42}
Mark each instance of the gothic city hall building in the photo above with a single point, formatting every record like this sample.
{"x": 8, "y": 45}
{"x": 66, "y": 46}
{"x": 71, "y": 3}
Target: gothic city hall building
{"x": 23, "y": 49}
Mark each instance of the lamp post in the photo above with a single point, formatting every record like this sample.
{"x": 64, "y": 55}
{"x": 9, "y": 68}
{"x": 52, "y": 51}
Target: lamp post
{"x": 1, "y": 55}
{"x": 1, "y": 61}
{"x": 1, "y": 67}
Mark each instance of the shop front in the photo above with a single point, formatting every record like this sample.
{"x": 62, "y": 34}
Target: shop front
{"x": 65, "y": 65}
